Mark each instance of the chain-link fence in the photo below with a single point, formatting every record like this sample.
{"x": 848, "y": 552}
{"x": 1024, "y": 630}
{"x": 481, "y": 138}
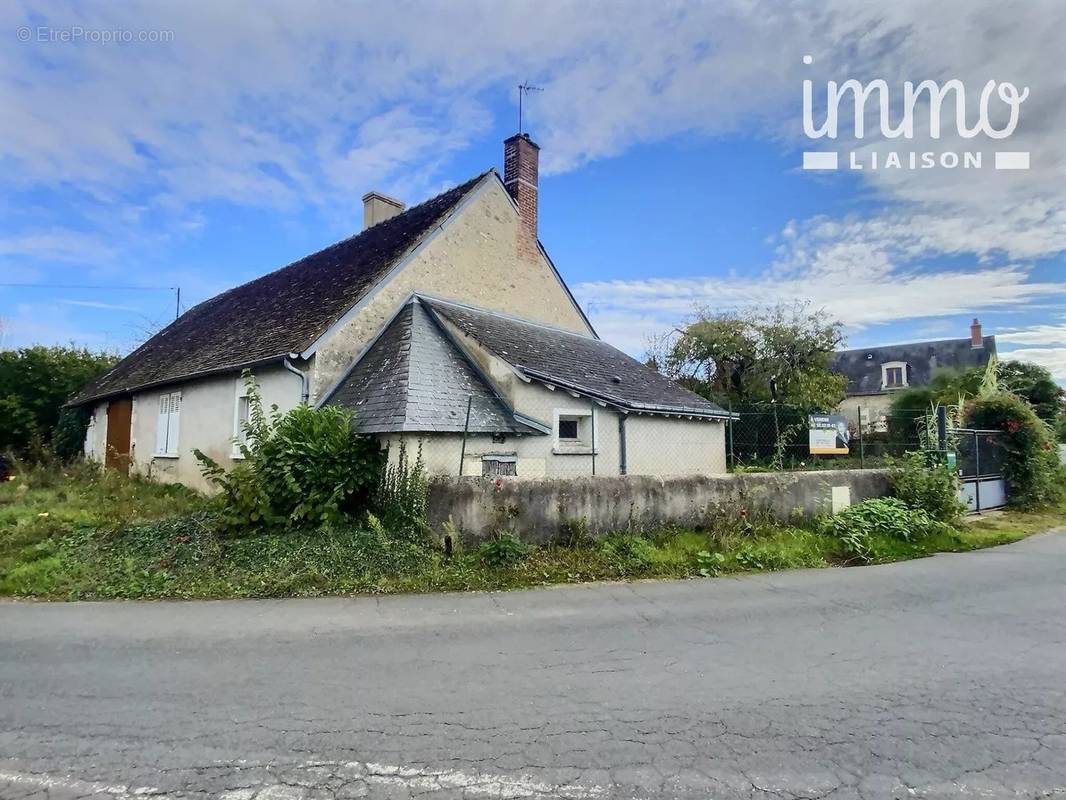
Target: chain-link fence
{"x": 779, "y": 437}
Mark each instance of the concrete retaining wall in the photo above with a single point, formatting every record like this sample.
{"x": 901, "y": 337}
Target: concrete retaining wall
{"x": 539, "y": 509}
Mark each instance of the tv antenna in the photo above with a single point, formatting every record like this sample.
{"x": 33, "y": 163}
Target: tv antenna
{"x": 523, "y": 90}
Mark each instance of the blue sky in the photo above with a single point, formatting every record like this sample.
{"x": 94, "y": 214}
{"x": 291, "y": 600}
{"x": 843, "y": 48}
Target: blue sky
{"x": 671, "y": 134}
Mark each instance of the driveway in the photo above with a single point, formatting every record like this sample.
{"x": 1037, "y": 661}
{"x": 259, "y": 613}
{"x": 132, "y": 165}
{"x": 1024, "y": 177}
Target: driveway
{"x": 943, "y": 677}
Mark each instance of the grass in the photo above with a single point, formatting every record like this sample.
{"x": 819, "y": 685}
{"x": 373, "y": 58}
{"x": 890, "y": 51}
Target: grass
{"x": 84, "y": 534}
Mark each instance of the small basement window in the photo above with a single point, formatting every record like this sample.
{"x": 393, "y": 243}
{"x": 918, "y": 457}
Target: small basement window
{"x": 496, "y": 466}
{"x": 568, "y": 428}
{"x": 573, "y": 433}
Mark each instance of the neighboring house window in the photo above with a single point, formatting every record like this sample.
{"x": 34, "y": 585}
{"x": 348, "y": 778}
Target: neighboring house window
{"x": 493, "y": 466}
{"x": 893, "y": 375}
{"x": 168, "y": 425}
{"x": 573, "y": 432}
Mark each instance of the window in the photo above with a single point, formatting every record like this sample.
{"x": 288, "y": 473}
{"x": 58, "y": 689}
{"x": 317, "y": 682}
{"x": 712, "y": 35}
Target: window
{"x": 893, "y": 375}
{"x": 168, "y": 425}
{"x": 568, "y": 428}
{"x": 493, "y": 466}
{"x": 573, "y": 433}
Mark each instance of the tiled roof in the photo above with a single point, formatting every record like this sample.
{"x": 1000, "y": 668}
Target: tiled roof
{"x": 581, "y": 363}
{"x": 413, "y": 378}
{"x": 862, "y": 366}
{"x": 283, "y": 312}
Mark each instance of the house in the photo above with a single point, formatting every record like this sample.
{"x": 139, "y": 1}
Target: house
{"x": 430, "y": 312}
{"x": 875, "y": 374}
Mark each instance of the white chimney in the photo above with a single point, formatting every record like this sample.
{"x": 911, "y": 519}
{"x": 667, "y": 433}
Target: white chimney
{"x": 378, "y": 207}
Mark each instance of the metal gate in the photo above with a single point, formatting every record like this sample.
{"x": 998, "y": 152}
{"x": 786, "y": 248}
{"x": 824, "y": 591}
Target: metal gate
{"x": 980, "y": 456}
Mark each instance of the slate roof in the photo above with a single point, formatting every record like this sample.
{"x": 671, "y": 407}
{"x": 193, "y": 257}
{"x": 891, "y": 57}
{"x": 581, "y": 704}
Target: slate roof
{"x": 862, "y": 366}
{"x": 586, "y": 365}
{"x": 283, "y": 312}
{"x": 414, "y": 378}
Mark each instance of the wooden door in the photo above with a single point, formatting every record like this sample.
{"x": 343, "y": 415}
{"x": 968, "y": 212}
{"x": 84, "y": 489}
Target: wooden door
{"x": 119, "y": 419}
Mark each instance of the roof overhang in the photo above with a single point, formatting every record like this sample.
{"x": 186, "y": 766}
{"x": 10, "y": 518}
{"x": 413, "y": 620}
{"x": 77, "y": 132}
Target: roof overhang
{"x": 625, "y": 406}
{"x": 191, "y": 376}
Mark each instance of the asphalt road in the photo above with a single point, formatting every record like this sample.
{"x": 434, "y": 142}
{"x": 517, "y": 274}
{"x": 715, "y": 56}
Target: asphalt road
{"x": 935, "y": 678}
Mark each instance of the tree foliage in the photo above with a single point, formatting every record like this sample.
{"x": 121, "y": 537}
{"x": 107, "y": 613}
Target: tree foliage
{"x": 35, "y": 382}
{"x": 953, "y": 387}
{"x": 734, "y": 357}
{"x": 1035, "y": 385}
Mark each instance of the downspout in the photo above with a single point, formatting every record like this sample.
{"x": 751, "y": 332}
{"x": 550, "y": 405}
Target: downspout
{"x": 305, "y": 382}
{"x": 622, "y": 467}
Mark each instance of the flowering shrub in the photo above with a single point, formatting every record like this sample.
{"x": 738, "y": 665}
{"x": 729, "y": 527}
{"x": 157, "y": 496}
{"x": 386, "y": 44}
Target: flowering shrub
{"x": 1031, "y": 461}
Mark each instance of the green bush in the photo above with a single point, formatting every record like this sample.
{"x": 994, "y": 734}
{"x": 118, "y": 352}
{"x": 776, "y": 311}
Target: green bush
{"x": 307, "y": 467}
{"x": 628, "y": 553}
{"x": 1031, "y": 457}
{"x": 923, "y": 482}
{"x": 502, "y": 550}
{"x": 890, "y": 517}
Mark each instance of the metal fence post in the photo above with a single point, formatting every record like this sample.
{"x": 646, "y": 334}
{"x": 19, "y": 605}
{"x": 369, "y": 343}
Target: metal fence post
{"x": 941, "y": 429}
{"x": 466, "y": 429}
{"x": 862, "y": 451}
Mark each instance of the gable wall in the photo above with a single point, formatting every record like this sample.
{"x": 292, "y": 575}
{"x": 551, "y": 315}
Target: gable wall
{"x": 475, "y": 259}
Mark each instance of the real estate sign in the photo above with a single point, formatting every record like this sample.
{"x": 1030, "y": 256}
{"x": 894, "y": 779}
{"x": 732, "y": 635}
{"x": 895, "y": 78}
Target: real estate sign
{"x": 829, "y": 435}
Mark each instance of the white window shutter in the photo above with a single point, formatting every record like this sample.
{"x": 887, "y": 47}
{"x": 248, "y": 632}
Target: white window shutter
{"x": 174, "y": 423}
{"x": 162, "y": 424}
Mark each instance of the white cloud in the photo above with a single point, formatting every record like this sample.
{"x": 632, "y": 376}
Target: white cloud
{"x": 1053, "y": 358}
{"x": 288, "y": 109}
{"x": 1037, "y": 334}
{"x": 632, "y": 309}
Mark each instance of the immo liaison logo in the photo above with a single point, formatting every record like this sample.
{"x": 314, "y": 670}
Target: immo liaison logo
{"x": 938, "y": 118}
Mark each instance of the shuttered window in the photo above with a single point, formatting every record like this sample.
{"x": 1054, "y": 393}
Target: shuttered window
{"x": 168, "y": 425}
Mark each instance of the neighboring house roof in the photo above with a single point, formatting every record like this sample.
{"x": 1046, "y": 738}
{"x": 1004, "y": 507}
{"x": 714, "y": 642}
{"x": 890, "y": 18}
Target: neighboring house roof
{"x": 569, "y": 360}
{"x": 280, "y": 313}
{"x": 862, "y": 366}
{"x": 412, "y": 377}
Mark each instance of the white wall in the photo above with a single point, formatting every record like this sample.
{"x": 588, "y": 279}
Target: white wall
{"x": 655, "y": 445}
{"x": 207, "y": 423}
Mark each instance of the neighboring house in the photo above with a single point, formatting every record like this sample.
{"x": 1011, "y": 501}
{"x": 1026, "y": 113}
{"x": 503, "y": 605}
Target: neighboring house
{"x": 451, "y": 303}
{"x": 875, "y": 374}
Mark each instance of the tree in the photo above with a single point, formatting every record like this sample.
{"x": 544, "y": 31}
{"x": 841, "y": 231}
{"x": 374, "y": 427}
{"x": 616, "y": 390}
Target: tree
{"x": 1035, "y": 385}
{"x": 742, "y": 357}
{"x": 35, "y": 382}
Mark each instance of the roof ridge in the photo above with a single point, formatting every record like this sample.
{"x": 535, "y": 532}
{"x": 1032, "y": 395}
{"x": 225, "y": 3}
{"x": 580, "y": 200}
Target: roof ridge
{"x": 471, "y": 183}
{"x": 908, "y": 344}
{"x": 503, "y": 315}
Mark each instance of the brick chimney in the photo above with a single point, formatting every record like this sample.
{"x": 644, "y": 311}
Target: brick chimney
{"x": 976, "y": 339}
{"x": 520, "y": 175}
{"x": 378, "y": 207}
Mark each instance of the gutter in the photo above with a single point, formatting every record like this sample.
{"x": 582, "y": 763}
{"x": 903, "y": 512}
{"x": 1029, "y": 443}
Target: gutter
{"x": 305, "y": 381}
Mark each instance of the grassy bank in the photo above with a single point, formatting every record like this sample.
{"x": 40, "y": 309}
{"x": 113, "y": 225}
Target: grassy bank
{"x": 84, "y": 534}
